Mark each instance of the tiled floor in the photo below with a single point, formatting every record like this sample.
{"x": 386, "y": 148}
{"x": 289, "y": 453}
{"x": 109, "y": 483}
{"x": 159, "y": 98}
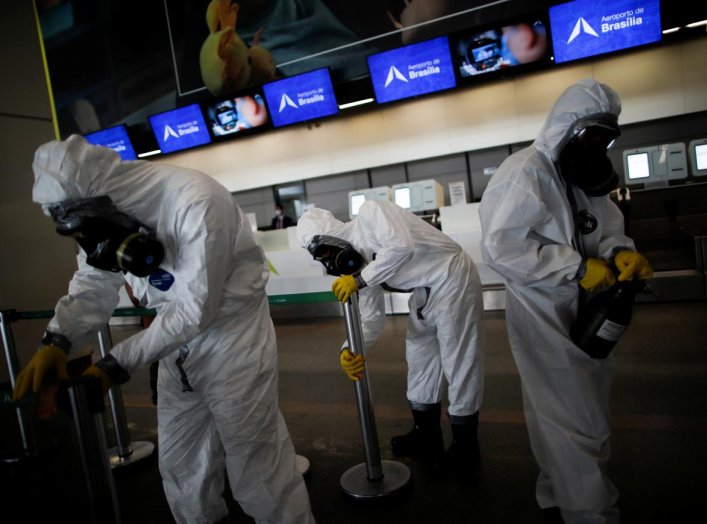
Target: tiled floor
{"x": 659, "y": 407}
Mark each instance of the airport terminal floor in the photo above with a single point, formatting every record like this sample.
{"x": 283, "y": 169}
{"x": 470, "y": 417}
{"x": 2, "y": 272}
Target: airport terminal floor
{"x": 659, "y": 440}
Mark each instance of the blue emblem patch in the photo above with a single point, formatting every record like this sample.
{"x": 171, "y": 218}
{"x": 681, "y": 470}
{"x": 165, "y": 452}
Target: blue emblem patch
{"x": 161, "y": 279}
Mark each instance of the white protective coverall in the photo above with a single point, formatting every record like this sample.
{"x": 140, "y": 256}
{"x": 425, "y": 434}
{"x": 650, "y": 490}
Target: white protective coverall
{"x": 528, "y": 227}
{"x": 444, "y": 342}
{"x": 212, "y": 307}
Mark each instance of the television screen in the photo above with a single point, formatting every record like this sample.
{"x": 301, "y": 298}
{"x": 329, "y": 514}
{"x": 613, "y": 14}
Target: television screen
{"x": 413, "y": 70}
{"x": 237, "y": 115}
{"x": 300, "y": 98}
{"x": 115, "y": 138}
{"x": 179, "y": 129}
{"x": 356, "y": 201}
{"x": 638, "y": 166}
{"x": 586, "y": 28}
{"x": 500, "y": 48}
{"x": 401, "y": 197}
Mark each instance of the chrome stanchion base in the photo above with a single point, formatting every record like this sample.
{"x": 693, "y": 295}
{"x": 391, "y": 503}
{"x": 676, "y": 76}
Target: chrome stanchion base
{"x": 355, "y": 481}
{"x": 19, "y": 458}
{"x": 302, "y": 464}
{"x": 141, "y": 449}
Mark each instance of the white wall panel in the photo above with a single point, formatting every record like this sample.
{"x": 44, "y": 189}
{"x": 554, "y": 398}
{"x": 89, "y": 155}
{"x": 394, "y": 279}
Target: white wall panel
{"x": 482, "y": 117}
{"x": 694, "y": 64}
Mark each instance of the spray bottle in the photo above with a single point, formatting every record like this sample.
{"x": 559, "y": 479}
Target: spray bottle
{"x": 604, "y": 318}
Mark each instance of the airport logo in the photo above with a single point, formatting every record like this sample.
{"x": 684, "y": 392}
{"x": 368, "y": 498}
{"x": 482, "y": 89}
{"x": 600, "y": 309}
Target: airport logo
{"x": 286, "y": 101}
{"x": 393, "y": 73}
{"x": 312, "y": 96}
{"x": 168, "y": 131}
{"x": 582, "y": 26}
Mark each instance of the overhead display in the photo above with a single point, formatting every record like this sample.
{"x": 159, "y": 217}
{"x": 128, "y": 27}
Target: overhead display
{"x": 237, "y": 115}
{"x": 115, "y": 138}
{"x": 181, "y": 128}
{"x": 586, "y": 28}
{"x": 413, "y": 70}
{"x": 301, "y": 98}
{"x": 502, "y": 47}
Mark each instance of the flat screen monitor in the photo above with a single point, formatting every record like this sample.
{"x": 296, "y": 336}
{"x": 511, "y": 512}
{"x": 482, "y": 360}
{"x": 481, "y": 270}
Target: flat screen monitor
{"x": 413, "y": 70}
{"x": 698, "y": 157}
{"x": 179, "y": 129}
{"x": 115, "y": 138}
{"x": 401, "y": 196}
{"x": 585, "y": 28}
{"x": 300, "y": 98}
{"x": 502, "y": 48}
{"x": 237, "y": 115}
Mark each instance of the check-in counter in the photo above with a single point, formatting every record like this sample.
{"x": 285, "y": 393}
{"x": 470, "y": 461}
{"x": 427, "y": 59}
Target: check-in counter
{"x": 295, "y": 274}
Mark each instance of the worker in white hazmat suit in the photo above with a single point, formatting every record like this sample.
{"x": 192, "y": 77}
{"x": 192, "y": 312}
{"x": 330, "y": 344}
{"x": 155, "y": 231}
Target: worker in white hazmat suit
{"x": 550, "y": 229}
{"x": 389, "y": 248}
{"x": 180, "y": 241}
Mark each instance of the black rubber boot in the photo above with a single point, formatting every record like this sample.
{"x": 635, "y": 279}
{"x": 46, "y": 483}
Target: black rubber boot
{"x": 424, "y": 441}
{"x": 463, "y": 455}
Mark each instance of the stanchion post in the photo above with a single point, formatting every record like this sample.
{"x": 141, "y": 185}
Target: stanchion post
{"x": 381, "y": 477}
{"x": 82, "y": 399}
{"x": 125, "y": 451}
{"x": 29, "y": 442}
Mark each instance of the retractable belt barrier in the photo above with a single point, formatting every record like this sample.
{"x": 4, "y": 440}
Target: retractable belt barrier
{"x": 125, "y": 452}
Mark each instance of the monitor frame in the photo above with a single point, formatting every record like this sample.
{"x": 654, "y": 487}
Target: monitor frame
{"x": 271, "y": 111}
{"x": 196, "y": 105}
{"x": 398, "y": 49}
{"x": 208, "y": 106}
{"x": 694, "y": 158}
{"x": 531, "y": 18}
{"x": 126, "y": 133}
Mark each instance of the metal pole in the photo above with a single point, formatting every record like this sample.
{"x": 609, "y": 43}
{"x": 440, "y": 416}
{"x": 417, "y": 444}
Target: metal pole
{"x": 124, "y": 452}
{"x": 363, "y": 393}
{"x": 29, "y": 442}
{"x": 84, "y": 398}
{"x": 381, "y": 477}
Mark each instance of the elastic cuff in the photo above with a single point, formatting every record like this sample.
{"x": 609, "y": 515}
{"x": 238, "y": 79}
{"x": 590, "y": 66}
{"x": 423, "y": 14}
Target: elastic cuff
{"x": 359, "y": 281}
{"x": 56, "y": 339}
{"x": 109, "y": 365}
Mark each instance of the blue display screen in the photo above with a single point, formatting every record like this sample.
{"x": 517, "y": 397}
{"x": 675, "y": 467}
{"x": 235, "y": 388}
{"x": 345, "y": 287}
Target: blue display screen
{"x": 412, "y": 70}
{"x": 300, "y": 98}
{"x": 115, "y": 138}
{"x": 181, "y": 128}
{"x": 586, "y": 28}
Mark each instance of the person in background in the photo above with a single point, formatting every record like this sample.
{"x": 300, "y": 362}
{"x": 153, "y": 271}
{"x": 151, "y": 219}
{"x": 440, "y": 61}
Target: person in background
{"x": 392, "y": 249}
{"x": 179, "y": 240}
{"x": 550, "y": 229}
{"x": 280, "y": 220}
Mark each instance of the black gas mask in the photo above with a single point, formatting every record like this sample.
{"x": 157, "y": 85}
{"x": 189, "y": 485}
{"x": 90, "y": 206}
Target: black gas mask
{"x": 111, "y": 240}
{"x": 336, "y": 255}
{"x": 583, "y": 161}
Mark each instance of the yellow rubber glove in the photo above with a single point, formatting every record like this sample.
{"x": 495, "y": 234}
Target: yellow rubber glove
{"x": 48, "y": 360}
{"x": 598, "y": 275}
{"x": 97, "y": 372}
{"x": 344, "y": 287}
{"x": 353, "y": 365}
{"x": 630, "y": 263}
